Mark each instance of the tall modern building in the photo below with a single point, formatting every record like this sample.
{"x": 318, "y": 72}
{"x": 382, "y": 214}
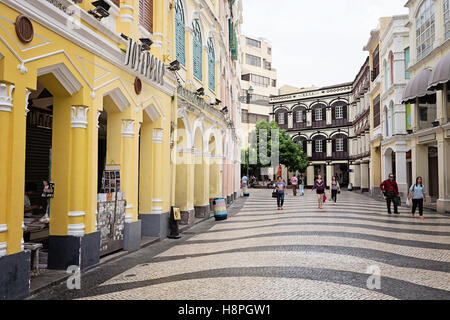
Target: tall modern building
{"x": 258, "y": 83}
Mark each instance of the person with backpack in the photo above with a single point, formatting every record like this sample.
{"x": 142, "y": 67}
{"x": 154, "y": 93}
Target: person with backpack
{"x": 417, "y": 194}
{"x": 335, "y": 188}
{"x": 389, "y": 188}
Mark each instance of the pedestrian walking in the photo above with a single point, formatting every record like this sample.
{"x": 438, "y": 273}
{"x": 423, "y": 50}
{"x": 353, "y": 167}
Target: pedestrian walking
{"x": 244, "y": 181}
{"x": 319, "y": 187}
{"x": 335, "y": 189}
{"x": 280, "y": 187}
{"x": 389, "y": 188}
{"x": 294, "y": 181}
{"x": 417, "y": 194}
{"x": 300, "y": 186}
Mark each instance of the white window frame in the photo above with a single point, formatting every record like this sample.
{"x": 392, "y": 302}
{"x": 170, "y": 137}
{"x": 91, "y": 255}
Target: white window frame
{"x": 425, "y": 29}
{"x": 319, "y": 146}
{"x": 318, "y": 112}
{"x": 447, "y": 19}
{"x": 340, "y": 145}
{"x": 299, "y": 116}
{"x": 339, "y": 111}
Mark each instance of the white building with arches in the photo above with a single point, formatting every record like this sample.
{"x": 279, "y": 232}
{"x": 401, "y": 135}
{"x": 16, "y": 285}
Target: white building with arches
{"x": 394, "y": 54}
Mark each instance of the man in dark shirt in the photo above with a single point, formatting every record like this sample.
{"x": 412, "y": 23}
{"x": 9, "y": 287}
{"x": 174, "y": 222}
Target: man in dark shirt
{"x": 390, "y": 189}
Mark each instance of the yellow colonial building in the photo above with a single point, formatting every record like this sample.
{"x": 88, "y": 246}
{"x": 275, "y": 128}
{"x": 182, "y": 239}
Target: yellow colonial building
{"x": 127, "y": 109}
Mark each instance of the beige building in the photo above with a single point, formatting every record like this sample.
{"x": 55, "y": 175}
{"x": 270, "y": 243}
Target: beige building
{"x": 258, "y": 83}
{"x": 427, "y": 97}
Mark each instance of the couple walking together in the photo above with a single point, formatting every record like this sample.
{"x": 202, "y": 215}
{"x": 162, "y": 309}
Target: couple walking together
{"x": 319, "y": 187}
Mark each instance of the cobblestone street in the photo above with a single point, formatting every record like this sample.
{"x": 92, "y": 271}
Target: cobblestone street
{"x": 260, "y": 253}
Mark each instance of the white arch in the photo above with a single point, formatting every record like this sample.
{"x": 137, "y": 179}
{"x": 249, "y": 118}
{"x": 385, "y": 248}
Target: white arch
{"x": 182, "y": 114}
{"x": 197, "y": 15}
{"x": 63, "y": 75}
{"x": 119, "y": 98}
{"x": 211, "y": 132}
{"x": 198, "y": 124}
{"x": 153, "y": 107}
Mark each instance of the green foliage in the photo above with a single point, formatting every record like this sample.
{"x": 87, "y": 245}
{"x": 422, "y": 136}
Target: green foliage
{"x": 291, "y": 155}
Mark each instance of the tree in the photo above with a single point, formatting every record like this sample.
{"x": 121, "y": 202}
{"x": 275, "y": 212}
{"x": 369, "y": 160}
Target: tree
{"x": 291, "y": 155}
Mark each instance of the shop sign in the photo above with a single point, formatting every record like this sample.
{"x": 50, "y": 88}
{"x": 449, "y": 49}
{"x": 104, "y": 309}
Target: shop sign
{"x": 62, "y": 7}
{"x": 427, "y": 138}
{"x": 197, "y": 101}
{"x": 312, "y": 94}
{"x": 144, "y": 63}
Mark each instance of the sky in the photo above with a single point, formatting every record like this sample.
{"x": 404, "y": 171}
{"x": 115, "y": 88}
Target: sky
{"x": 316, "y": 42}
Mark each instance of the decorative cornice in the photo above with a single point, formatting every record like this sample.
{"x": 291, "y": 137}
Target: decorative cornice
{"x": 156, "y": 210}
{"x": 128, "y": 218}
{"x": 77, "y": 213}
{"x": 27, "y": 97}
{"x": 63, "y": 74}
{"x": 128, "y": 128}
{"x": 6, "y": 100}
{"x": 2, "y": 249}
{"x": 76, "y": 230}
{"x": 79, "y": 117}
{"x": 158, "y": 135}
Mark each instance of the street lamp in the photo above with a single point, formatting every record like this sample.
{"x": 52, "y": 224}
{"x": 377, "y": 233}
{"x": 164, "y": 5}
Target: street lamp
{"x": 249, "y": 94}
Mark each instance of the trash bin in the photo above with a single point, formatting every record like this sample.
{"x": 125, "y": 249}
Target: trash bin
{"x": 220, "y": 209}
{"x": 245, "y": 190}
{"x": 350, "y": 187}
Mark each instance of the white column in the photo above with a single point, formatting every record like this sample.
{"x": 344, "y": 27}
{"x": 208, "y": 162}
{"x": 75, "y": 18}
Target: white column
{"x": 357, "y": 183}
{"x": 310, "y": 175}
{"x": 400, "y": 164}
{"x": 443, "y": 203}
{"x": 329, "y": 148}
{"x": 329, "y": 118}
{"x": 364, "y": 176}
{"x": 330, "y": 173}
{"x": 290, "y": 120}
{"x": 309, "y": 118}
{"x": 309, "y": 149}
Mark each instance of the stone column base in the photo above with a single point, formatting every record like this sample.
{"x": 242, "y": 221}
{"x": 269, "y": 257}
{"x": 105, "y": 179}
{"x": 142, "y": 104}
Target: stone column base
{"x": 229, "y": 199}
{"x": 443, "y": 205}
{"x": 65, "y": 251}
{"x": 15, "y": 276}
{"x": 132, "y": 236}
{"x": 155, "y": 225}
{"x": 235, "y": 195}
{"x": 202, "y": 211}
{"x": 187, "y": 218}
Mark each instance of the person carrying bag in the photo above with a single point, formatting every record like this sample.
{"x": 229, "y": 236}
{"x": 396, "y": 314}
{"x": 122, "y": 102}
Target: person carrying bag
{"x": 389, "y": 188}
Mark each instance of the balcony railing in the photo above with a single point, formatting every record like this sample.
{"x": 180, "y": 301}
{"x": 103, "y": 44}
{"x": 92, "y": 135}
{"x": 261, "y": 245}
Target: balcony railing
{"x": 319, "y": 156}
{"x": 340, "y": 155}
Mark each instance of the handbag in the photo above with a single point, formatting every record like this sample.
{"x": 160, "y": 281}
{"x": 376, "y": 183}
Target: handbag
{"x": 408, "y": 203}
{"x": 324, "y": 198}
{"x": 274, "y": 194}
{"x": 399, "y": 201}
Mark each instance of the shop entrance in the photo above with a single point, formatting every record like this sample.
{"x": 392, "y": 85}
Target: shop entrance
{"x": 110, "y": 198}
{"x": 38, "y": 152}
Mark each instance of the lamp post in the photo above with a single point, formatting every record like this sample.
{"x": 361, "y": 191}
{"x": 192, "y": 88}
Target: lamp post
{"x": 249, "y": 94}
{"x": 249, "y": 99}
